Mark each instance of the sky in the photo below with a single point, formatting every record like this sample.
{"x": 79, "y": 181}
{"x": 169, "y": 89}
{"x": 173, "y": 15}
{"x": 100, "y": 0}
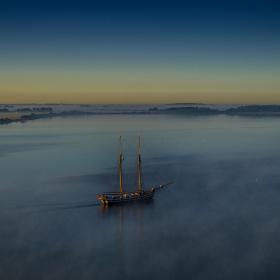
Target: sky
{"x": 140, "y": 51}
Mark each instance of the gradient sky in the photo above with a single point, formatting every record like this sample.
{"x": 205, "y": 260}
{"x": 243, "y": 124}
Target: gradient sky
{"x": 139, "y": 51}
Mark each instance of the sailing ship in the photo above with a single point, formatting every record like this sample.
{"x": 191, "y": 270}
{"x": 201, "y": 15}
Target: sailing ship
{"x": 120, "y": 197}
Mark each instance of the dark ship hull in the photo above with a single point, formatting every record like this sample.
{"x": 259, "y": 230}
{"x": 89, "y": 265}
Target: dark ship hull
{"x": 115, "y": 198}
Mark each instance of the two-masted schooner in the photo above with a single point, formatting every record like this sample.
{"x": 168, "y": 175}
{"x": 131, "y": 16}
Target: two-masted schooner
{"x": 110, "y": 198}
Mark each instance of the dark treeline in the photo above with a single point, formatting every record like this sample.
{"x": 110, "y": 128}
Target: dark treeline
{"x": 241, "y": 110}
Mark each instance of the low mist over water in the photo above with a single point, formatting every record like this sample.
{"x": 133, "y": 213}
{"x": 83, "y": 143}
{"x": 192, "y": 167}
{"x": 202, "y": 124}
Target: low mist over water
{"x": 219, "y": 220}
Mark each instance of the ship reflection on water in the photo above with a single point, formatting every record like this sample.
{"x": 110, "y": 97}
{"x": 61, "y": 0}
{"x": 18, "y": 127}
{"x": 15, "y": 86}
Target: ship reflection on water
{"x": 128, "y": 235}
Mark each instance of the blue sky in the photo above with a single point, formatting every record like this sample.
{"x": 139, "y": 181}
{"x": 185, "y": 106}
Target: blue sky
{"x": 128, "y": 51}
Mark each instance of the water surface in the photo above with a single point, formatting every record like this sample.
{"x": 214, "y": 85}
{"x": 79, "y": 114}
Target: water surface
{"x": 220, "y": 219}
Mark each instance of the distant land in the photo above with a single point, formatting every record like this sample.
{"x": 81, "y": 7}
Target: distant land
{"x": 22, "y": 113}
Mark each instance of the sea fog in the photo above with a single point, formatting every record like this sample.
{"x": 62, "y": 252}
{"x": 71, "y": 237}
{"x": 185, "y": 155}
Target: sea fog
{"x": 219, "y": 220}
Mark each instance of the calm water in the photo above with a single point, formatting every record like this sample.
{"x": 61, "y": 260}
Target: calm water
{"x": 220, "y": 220}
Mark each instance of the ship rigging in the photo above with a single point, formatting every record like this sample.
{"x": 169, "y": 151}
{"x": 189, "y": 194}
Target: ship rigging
{"x": 111, "y": 198}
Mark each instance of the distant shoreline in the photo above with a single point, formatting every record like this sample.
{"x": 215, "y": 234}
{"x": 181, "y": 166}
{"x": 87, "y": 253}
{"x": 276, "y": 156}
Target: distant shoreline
{"x": 23, "y": 113}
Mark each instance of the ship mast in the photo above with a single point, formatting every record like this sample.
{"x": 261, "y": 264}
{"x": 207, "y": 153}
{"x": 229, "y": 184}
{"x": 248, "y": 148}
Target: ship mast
{"x": 139, "y": 166}
{"x": 121, "y": 158}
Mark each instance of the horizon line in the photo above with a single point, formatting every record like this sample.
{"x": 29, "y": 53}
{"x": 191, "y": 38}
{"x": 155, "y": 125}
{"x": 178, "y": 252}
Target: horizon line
{"x": 135, "y": 104}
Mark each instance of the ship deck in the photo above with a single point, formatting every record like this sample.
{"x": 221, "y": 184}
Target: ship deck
{"x": 108, "y": 198}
